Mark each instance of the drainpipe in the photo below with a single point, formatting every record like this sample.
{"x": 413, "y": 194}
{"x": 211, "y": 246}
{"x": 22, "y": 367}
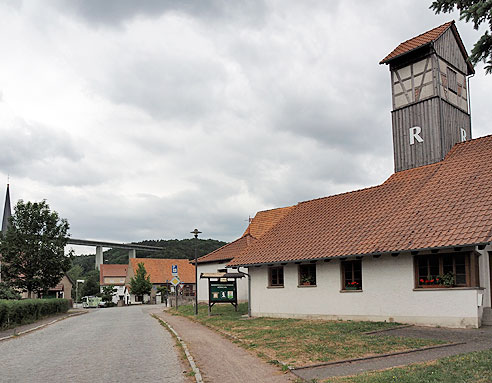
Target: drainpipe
{"x": 249, "y": 291}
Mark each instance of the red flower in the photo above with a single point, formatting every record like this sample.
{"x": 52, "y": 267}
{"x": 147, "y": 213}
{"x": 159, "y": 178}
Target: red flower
{"x": 432, "y": 281}
{"x": 421, "y": 280}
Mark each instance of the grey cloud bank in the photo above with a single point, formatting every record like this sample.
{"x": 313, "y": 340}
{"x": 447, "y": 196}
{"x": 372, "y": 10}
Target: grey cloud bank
{"x": 144, "y": 120}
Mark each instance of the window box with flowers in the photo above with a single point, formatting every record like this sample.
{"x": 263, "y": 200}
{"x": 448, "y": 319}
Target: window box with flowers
{"x": 352, "y": 275}
{"x": 446, "y": 270}
{"x": 307, "y": 274}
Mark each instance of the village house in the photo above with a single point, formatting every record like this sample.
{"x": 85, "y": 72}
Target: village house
{"x": 415, "y": 249}
{"x": 218, "y": 259}
{"x": 160, "y": 272}
{"x": 111, "y": 274}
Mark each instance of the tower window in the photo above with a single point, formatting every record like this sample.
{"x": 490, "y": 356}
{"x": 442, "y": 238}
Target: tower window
{"x": 452, "y": 83}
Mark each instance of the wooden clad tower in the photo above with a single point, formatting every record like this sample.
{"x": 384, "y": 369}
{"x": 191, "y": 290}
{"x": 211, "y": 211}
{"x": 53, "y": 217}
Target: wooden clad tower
{"x": 429, "y": 87}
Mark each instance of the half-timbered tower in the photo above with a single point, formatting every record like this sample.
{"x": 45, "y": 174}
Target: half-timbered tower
{"x": 429, "y": 87}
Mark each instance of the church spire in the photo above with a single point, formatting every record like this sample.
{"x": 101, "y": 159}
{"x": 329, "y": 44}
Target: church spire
{"x": 6, "y": 212}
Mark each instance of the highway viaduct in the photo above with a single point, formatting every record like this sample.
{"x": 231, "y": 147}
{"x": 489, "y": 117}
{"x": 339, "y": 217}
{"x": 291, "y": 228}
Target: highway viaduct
{"x": 131, "y": 247}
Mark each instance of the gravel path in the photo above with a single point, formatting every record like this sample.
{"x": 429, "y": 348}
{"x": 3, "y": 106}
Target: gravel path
{"x": 474, "y": 340}
{"x": 107, "y": 345}
{"x": 220, "y": 360}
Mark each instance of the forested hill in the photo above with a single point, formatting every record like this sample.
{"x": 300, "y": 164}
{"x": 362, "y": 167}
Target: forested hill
{"x": 173, "y": 248}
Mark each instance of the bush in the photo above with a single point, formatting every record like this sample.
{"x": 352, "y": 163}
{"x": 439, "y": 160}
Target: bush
{"x": 15, "y": 313}
{"x": 8, "y": 292}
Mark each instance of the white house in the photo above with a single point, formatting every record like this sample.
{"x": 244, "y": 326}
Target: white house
{"x": 113, "y": 274}
{"x": 415, "y": 249}
{"x": 218, "y": 259}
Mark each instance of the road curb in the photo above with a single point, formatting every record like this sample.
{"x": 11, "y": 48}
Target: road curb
{"x": 16, "y": 334}
{"x": 194, "y": 367}
{"x": 380, "y": 356}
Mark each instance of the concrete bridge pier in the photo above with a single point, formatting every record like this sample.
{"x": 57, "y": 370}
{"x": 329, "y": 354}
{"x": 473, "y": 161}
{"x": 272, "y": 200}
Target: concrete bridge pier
{"x": 132, "y": 253}
{"x": 99, "y": 257}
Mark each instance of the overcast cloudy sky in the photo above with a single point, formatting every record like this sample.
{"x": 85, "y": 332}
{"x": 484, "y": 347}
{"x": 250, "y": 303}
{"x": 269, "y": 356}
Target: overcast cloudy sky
{"x": 145, "y": 119}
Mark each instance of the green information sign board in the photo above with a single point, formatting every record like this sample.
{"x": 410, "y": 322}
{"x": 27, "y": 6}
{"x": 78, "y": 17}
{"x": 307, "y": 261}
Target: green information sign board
{"x": 222, "y": 292}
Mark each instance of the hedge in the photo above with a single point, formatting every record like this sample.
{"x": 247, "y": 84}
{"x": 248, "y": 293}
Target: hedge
{"x": 14, "y": 313}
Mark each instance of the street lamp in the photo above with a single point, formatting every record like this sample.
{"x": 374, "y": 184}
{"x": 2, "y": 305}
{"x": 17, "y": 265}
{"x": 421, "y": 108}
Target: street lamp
{"x": 195, "y": 233}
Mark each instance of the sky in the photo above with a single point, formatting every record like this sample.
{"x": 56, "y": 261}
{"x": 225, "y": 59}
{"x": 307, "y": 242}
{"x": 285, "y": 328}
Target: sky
{"x": 146, "y": 119}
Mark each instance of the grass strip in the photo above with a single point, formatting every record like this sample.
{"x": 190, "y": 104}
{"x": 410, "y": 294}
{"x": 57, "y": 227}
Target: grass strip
{"x": 475, "y": 367}
{"x": 298, "y": 342}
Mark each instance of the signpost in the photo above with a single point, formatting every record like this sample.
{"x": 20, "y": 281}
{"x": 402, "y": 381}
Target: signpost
{"x": 174, "y": 270}
{"x": 175, "y": 282}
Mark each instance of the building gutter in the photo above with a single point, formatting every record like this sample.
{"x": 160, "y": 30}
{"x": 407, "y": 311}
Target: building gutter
{"x": 376, "y": 253}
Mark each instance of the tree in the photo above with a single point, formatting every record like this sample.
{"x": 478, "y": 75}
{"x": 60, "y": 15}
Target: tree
{"x": 33, "y": 248}
{"x": 479, "y": 11}
{"x": 91, "y": 284}
{"x": 140, "y": 283}
{"x": 107, "y": 293}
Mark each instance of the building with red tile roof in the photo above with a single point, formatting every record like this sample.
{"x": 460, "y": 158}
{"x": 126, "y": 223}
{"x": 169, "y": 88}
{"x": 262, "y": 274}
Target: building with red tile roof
{"x": 452, "y": 208}
{"x": 217, "y": 260}
{"x": 416, "y": 249}
{"x": 160, "y": 272}
{"x": 113, "y": 274}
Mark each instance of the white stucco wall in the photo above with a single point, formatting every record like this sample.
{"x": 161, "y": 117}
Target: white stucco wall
{"x": 120, "y": 290}
{"x": 242, "y": 284}
{"x": 388, "y": 295}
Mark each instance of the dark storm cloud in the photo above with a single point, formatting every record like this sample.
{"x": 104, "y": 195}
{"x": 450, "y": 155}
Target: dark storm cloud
{"x": 115, "y": 12}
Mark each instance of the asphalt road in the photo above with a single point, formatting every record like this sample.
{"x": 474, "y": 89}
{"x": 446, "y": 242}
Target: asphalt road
{"x": 107, "y": 345}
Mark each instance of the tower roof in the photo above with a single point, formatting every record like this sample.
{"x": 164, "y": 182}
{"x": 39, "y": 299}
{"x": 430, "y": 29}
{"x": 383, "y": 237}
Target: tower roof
{"x": 427, "y": 38}
{"x": 7, "y": 213}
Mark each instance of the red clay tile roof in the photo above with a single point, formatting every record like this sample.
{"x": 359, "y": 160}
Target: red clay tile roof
{"x": 227, "y": 252}
{"x": 265, "y": 220}
{"x": 444, "y": 204}
{"x": 111, "y": 270}
{"x": 427, "y": 38}
{"x": 417, "y": 42}
{"x": 160, "y": 269}
{"x": 259, "y": 225}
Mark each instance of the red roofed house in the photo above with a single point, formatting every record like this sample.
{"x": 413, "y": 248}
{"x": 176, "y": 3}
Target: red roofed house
{"x": 160, "y": 275}
{"x": 415, "y": 249}
{"x": 114, "y": 275}
{"x": 218, "y": 259}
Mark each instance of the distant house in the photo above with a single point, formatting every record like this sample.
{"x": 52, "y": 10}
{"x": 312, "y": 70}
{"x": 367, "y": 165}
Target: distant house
{"x": 160, "y": 272}
{"x": 63, "y": 289}
{"x": 112, "y": 274}
{"x": 218, "y": 259}
{"x": 417, "y": 248}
